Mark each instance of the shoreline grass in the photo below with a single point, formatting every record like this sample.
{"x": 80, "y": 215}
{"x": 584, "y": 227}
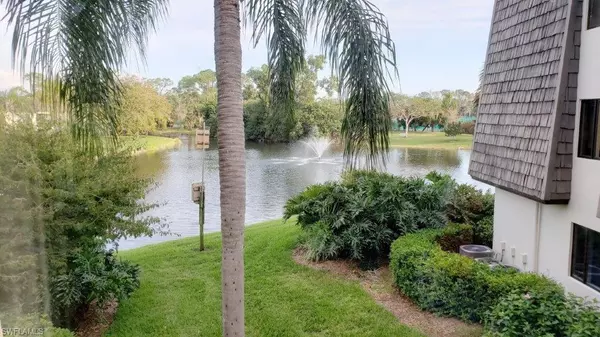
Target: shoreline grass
{"x": 149, "y": 144}
{"x": 173, "y": 132}
{"x": 180, "y": 292}
{"x": 430, "y": 140}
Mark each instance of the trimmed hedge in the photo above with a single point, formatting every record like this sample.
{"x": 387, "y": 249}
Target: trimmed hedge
{"x": 453, "y": 285}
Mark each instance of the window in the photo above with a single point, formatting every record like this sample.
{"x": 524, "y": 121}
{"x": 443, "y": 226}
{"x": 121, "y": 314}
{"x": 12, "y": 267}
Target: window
{"x": 585, "y": 263}
{"x": 589, "y": 140}
{"x": 594, "y": 14}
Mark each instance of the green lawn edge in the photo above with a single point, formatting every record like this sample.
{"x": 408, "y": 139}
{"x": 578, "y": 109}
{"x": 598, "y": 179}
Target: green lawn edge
{"x": 180, "y": 292}
{"x": 430, "y": 140}
{"x": 150, "y": 144}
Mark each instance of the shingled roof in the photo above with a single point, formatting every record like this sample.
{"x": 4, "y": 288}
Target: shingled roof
{"x": 524, "y": 133}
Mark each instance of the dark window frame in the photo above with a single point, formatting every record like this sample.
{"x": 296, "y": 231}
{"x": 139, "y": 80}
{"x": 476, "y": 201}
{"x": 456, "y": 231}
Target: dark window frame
{"x": 582, "y": 128}
{"x": 574, "y": 245}
{"x": 591, "y": 23}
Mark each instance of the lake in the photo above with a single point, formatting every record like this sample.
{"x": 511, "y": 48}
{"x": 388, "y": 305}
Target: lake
{"x": 274, "y": 173}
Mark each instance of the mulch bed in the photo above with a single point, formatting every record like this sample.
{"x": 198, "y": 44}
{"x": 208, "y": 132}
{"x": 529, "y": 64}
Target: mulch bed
{"x": 378, "y": 283}
{"x": 96, "y": 320}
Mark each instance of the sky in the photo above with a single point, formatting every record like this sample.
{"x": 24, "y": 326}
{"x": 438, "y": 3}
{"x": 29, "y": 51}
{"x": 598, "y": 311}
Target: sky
{"x": 440, "y": 44}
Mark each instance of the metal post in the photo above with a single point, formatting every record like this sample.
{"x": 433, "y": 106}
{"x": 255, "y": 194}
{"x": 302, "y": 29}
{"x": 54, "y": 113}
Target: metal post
{"x": 203, "y": 149}
{"x": 201, "y": 205}
{"x": 198, "y": 193}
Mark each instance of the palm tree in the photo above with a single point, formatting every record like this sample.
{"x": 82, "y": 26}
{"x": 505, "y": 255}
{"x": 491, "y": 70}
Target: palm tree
{"x": 232, "y": 164}
{"x": 84, "y": 43}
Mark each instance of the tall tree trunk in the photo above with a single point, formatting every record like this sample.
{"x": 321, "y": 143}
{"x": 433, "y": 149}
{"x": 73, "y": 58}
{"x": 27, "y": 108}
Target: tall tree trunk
{"x": 232, "y": 166}
{"x": 407, "y": 122}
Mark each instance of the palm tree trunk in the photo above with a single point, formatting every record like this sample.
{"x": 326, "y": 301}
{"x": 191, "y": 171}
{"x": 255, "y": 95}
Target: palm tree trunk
{"x": 232, "y": 166}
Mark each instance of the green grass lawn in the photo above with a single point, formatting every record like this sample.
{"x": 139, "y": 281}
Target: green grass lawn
{"x": 150, "y": 143}
{"x": 173, "y": 131}
{"x": 432, "y": 140}
{"x": 180, "y": 292}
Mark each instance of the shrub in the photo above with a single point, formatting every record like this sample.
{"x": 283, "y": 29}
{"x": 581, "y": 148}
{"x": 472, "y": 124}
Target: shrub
{"x": 543, "y": 314}
{"x": 468, "y": 205}
{"x": 483, "y": 231}
{"x": 65, "y": 208}
{"x": 452, "y": 237}
{"x": 94, "y": 275}
{"x": 359, "y": 216}
{"x": 452, "y": 129}
{"x": 529, "y": 314}
{"x": 453, "y": 285}
{"x": 467, "y": 128}
{"x": 586, "y": 318}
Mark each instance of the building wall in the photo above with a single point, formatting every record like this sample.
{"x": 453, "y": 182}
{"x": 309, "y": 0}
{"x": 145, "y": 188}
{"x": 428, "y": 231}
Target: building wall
{"x": 555, "y": 246}
{"x": 525, "y": 118}
{"x": 515, "y": 224}
{"x": 515, "y": 219}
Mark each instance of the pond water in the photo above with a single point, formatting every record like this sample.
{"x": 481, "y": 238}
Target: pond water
{"x": 274, "y": 173}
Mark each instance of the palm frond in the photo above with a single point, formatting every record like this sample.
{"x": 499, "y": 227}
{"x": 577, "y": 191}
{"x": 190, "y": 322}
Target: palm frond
{"x": 356, "y": 38}
{"x": 79, "y": 46}
{"x": 477, "y": 96}
{"x": 282, "y": 23}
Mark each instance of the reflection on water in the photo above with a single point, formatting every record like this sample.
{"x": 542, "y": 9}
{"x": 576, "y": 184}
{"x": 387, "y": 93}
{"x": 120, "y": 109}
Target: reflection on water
{"x": 274, "y": 173}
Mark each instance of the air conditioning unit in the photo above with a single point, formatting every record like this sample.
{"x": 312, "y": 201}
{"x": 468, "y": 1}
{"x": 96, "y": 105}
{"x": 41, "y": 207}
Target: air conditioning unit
{"x": 477, "y": 252}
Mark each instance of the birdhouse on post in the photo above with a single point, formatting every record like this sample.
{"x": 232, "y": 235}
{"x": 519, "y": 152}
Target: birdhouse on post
{"x": 202, "y": 138}
{"x": 198, "y": 198}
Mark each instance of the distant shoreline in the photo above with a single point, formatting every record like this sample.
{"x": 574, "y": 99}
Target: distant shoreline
{"x": 168, "y": 139}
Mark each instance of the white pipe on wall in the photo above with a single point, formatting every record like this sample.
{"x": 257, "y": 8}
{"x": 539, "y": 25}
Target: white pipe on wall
{"x": 538, "y": 230}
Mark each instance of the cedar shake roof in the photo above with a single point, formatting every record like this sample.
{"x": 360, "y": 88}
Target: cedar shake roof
{"x": 524, "y": 133}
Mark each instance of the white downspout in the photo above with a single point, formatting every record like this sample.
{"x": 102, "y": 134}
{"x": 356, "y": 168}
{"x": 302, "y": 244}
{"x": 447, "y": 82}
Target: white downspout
{"x": 538, "y": 230}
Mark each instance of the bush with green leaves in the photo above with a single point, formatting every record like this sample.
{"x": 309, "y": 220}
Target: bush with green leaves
{"x": 71, "y": 205}
{"x": 359, "y": 216}
{"x": 450, "y": 284}
{"x": 93, "y": 273}
{"x": 454, "y": 236}
{"x": 452, "y": 129}
{"x": 585, "y": 320}
{"x": 468, "y": 205}
{"x": 543, "y": 314}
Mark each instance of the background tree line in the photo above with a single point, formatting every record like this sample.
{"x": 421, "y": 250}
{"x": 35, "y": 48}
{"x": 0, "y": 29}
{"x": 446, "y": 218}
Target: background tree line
{"x": 149, "y": 105}
{"x": 316, "y": 109}
{"x": 429, "y": 110}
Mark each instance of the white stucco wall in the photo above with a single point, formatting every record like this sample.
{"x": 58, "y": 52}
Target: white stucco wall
{"x": 555, "y": 246}
{"x": 514, "y": 224}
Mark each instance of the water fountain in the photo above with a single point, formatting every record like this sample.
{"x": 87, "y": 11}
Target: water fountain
{"x": 318, "y": 145}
